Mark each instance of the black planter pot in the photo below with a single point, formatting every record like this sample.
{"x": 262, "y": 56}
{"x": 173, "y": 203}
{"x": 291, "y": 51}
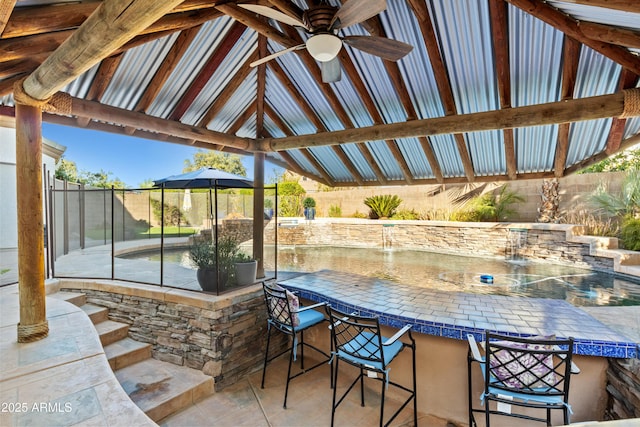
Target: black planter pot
{"x": 209, "y": 281}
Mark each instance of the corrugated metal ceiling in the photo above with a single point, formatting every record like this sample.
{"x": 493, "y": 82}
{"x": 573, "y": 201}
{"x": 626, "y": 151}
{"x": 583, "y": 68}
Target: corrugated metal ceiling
{"x": 463, "y": 31}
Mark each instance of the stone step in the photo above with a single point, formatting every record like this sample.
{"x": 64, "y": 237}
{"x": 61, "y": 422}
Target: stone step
{"x": 96, "y": 313}
{"x": 126, "y": 352}
{"x": 75, "y": 298}
{"x": 161, "y": 389}
{"x": 110, "y": 331}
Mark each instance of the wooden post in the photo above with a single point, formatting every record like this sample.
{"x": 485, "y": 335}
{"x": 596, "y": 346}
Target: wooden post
{"x": 33, "y": 324}
{"x": 258, "y": 211}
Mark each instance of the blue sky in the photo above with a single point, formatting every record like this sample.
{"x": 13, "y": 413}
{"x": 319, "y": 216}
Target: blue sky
{"x": 132, "y": 160}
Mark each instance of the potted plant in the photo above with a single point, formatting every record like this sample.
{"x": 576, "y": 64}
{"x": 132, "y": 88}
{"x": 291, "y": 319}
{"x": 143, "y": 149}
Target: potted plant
{"x": 268, "y": 208}
{"x": 309, "y": 205}
{"x": 212, "y": 276}
{"x": 246, "y": 268}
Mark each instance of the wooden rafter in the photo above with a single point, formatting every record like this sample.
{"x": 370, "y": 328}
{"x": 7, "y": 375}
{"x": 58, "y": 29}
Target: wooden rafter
{"x": 177, "y": 51}
{"x": 372, "y": 109}
{"x": 260, "y": 25}
{"x": 442, "y": 78}
{"x": 226, "y": 94}
{"x": 262, "y": 86}
{"x": 500, "y": 39}
{"x": 611, "y": 35}
{"x": 207, "y": 70}
{"x": 571, "y": 28}
{"x": 312, "y": 116}
{"x": 313, "y": 69}
{"x": 571, "y": 55}
{"x": 623, "y": 5}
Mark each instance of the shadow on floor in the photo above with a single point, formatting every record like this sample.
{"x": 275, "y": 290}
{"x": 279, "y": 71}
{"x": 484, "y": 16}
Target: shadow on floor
{"x": 308, "y": 404}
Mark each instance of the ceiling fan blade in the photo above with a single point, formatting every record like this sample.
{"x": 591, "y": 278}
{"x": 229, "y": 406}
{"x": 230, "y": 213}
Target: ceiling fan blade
{"x": 275, "y": 55}
{"x": 273, "y": 14}
{"x": 356, "y": 11}
{"x": 331, "y": 71}
{"x": 389, "y": 49}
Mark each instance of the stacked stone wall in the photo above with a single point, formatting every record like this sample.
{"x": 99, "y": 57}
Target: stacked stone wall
{"x": 623, "y": 387}
{"x": 226, "y": 342}
{"x": 544, "y": 243}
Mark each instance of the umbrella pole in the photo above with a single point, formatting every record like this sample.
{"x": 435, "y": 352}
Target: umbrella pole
{"x": 211, "y": 215}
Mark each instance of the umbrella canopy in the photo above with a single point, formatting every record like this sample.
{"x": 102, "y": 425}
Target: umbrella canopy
{"x": 204, "y": 178}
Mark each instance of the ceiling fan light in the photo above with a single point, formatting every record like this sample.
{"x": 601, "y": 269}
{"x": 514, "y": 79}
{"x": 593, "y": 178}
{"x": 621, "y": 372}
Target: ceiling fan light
{"x": 324, "y": 47}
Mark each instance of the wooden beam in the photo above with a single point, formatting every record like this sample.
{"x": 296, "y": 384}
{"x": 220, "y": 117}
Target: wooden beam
{"x": 46, "y": 43}
{"x": 33, "y": 324}
{"x": 6, "y": 9}
{"x": 623, "y": 5}
{"x": 28, "y": 21}
{"x": 123, "y": 130}
{"x": 26, "y": 47}
{"x": 109, "y": 114}
{"x": 208, "y": 69}
{"x": 574, "y": 110}
{"x": 110, "y": 26}
{"x": 611, "y": 35}
{"x": 552, "y": 16}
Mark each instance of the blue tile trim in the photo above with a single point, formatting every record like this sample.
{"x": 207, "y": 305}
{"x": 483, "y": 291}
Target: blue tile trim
{"x": 532, "y": 321}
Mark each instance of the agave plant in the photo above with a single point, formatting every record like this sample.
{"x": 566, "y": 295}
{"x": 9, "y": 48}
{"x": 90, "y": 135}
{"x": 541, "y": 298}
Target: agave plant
{"x": 627, "y": 203}
{"x": 383, "y": 206}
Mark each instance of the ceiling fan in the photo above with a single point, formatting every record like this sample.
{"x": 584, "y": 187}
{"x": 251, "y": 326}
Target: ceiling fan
{"x": 323, "y": 22}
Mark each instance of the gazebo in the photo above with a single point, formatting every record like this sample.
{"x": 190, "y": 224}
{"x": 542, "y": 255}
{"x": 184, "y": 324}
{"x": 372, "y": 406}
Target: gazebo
{"x": 491, "y": 89}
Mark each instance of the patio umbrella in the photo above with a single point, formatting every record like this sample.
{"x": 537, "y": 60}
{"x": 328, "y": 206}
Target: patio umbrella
{"x": 205, "y": 178}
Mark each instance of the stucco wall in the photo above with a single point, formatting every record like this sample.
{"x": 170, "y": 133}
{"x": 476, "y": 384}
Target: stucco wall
{"x": 573, "y": 189}
{"x": 8, "y": 195}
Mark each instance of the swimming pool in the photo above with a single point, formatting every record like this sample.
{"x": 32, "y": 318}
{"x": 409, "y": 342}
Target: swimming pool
{"x": 578, "y": 286}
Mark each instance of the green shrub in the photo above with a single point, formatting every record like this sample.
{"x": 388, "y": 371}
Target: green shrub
{"x": 172, "y": 214}
{"x": 627, "y": 202}
{"x": 335, "y": 211}
{"x": 309, "y": 202}
{"x": 290, "y": 206}
{"x": 489, "y": 206}
{"x": 358, "y": 214}
{"x": 593, "y": 224}
{"x": 383, "y": 206}
{"x": 630, "y": 233}
{"x": 406, "y": 214}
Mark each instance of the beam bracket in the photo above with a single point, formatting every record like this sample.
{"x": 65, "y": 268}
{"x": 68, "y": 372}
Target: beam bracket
{"x": 59, "y": 102}
{"x": 631, "y": 103}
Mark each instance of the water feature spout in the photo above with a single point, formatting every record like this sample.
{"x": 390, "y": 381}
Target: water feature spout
{"x": 387, "y": 237}
{"x": 516, "y": 242}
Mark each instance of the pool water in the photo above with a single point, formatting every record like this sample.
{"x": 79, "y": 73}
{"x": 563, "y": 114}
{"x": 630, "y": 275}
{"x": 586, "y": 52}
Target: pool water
{"x": 580, "y": 287}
